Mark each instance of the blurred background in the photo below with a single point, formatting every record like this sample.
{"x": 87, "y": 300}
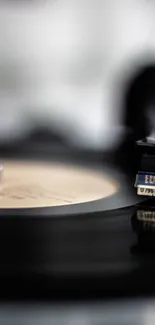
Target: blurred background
{"x": 63, "y": 66}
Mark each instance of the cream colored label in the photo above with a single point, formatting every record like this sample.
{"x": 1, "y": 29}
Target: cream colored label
{"x": 27, "y": 185}
{"x": 147, "y": 191}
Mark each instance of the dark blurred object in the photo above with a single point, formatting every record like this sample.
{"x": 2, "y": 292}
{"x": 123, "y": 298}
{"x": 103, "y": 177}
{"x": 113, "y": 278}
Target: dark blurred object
{"x": 146, "y": 153}
{"x": 139, "y": 96}
{"x": 40, "y": 138}
{"x": 45, "y": 135}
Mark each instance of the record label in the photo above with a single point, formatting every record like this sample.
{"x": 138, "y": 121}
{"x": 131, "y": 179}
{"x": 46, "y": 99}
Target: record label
{"x": 145, "y": 179}
{"x": 146, "y": 191}
{"x": 34, "y": 185}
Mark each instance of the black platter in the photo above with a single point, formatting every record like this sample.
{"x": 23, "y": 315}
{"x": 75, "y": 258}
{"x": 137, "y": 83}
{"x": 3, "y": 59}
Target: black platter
{"x": 84, "y": 251}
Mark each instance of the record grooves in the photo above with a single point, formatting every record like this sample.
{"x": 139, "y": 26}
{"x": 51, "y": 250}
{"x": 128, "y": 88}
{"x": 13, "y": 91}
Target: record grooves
{"x": 78, "y": 249}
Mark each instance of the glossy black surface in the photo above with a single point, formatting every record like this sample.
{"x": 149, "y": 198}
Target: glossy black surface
{"x": 82, "y": 254}
{"x": 68, "y": 253}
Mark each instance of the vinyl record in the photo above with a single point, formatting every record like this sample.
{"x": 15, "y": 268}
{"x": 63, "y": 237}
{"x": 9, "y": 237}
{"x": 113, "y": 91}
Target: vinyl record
{"x": 35, "y": 185}
{"x": 65, "y": 225}
{"x": 61, "y": 188}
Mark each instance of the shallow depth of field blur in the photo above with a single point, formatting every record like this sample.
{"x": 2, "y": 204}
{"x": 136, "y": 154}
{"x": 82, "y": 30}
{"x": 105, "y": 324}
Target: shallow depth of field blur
{"x": 63, "y": 62}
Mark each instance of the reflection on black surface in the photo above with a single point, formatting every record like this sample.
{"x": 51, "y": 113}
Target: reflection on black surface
{"x": 143, "y": 224}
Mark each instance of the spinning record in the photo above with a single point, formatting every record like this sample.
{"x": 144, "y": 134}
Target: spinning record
{"x": 60, "y": 221}
{"x": 35, "y": 185}
{"x": 55, "y": 187}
